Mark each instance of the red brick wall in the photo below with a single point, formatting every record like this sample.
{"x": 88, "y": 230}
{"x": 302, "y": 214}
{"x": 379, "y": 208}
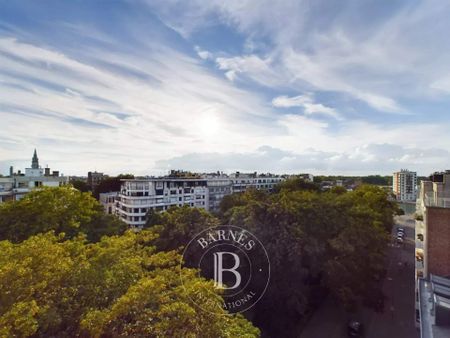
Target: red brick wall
{"x": 438, "y": 240}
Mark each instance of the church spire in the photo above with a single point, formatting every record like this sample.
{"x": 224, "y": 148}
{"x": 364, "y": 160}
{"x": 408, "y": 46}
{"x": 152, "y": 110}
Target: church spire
{"x": 35, "y": 161}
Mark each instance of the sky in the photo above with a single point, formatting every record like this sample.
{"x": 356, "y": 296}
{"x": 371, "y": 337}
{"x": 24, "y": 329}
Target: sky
{"x": 350, "y": 87}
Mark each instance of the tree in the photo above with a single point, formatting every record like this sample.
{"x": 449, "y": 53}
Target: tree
{"x": 62, "y": 209}
{"x": 295, "y": 184}
{"x": 120, "y": 286}
{"x": 318, "y": 242}
{"x": 178, "y": 225}
{"x": 80, "y": 185}
{"x": 109, "y": 184}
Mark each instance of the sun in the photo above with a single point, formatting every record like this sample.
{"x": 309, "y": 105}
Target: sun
{"x": 209, "y": 124}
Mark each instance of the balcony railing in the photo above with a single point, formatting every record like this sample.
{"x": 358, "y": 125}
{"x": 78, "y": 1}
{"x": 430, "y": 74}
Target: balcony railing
{"x": 440, "y": 202}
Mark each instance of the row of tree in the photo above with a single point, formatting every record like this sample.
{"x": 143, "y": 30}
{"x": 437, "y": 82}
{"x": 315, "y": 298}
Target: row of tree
{"x": 78, "y": 272}
{"x": 68, "y": 270}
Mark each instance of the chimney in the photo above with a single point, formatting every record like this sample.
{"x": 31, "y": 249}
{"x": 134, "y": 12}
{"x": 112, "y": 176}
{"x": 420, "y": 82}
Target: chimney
{"x": 55, "y": 173}
{"x": 11, "y": 171}
{"x": 47, "y": 171}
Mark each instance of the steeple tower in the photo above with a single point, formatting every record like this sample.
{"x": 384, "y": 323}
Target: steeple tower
{"x": 35, "y": 161}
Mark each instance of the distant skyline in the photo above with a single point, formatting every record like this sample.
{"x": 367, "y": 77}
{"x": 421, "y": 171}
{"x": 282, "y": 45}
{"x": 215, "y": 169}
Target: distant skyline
{"x": 326, "y": 87}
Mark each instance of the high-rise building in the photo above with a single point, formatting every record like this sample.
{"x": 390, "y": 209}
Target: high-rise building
{"x": 404, "y": 185}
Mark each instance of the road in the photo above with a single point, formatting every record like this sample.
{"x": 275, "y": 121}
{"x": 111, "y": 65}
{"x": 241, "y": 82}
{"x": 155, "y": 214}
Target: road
{"x": 397, "y": 320}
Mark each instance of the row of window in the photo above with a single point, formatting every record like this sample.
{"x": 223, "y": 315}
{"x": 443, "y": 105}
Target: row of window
{"x": 161, "y": 207}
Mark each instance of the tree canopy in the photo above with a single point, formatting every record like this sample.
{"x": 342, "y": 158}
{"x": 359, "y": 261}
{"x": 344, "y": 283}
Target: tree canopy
{"x": 67, "y": 269}
{"x": 318, "y": 243}
{"x": 63, "y": 209}
{"x": 120, "y": 286}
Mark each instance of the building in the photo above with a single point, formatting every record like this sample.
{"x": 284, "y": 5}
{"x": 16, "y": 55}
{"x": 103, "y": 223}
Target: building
{"x": 17, "y": 185}
{"x": 433, "y": 228}
{"x": 138, "y": 196}
{"x": 94, "y": 178}
{"x": 433, "y": 313}
{"x": 108, "y": 200}
{"x": 242, "y": 182}
{"x": 404, "y": 185}
{"x": 219, "y": 186}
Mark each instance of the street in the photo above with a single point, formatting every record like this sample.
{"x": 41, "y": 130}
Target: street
{"x": 397, "y": 320}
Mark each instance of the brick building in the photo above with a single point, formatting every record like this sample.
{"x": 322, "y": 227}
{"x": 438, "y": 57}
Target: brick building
{"x": 433, "y": 229}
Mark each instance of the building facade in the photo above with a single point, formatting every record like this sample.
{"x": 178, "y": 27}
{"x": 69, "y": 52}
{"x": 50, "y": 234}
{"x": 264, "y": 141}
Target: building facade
{"x": 17, "y": 185}
{"x": 433, "y": 228}
{"x": 108, "y": 200}
{"x": 138, "y": 196}
{"x": 404, "y": 185}
{"x": 242, "y": 182}
{"x": 94, "y": 178}
{"x": 218, "y": 187}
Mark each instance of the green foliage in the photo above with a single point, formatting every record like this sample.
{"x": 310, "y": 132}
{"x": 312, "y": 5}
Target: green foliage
{"x": 317, "y": 242}
{"x": 178, "y": 225}
{"x": 377, "y": 180}
{"x": 371, "y": 179}
{"x": 109, "y": 184}
{"x": 80, "y": 185}
{"x": 63, "y": 209}
{"x": 120, "y": 286}
{"x": 294, "y": 184}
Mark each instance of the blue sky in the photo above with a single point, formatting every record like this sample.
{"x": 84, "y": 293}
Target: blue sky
{"x": 327, "y": 87}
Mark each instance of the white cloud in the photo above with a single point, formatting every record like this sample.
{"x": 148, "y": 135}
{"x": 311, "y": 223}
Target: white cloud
{"x": 130, "y": 109}
{"x": 203, "y": 54}
{"x": 258, "y": 69}
{"x": 305, "y": 101}
{"x": 137, "y": 120}
{"x": 381, "y": 53}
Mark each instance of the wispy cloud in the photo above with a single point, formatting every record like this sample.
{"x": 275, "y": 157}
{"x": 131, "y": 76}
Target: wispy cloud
{"x": 306, "y": 102}
{"x": 219, "y": 81}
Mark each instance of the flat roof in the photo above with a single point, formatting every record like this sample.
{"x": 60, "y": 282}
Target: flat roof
{"x": 161, "y": 179}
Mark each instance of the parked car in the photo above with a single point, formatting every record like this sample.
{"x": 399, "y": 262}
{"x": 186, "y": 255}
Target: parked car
{"x": 399, "y": 240}
{"x": 401, "y": 234}
{"x": 354, "y": 329}
{"x": 400, "y": 229}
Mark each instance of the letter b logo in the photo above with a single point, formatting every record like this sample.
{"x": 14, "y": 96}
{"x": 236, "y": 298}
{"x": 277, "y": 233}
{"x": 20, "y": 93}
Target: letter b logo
{"x": 219, "y": 270}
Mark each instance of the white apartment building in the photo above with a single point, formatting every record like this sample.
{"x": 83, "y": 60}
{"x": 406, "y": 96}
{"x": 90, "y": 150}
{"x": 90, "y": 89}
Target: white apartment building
{"x": 218, "y": 186}
{"x": 404, "y": 185}
{"x": 138, "y": 196}
{"x": 17, "y": 185}
{"x": 241, "y": 182}
{"x": 108, "y": 200}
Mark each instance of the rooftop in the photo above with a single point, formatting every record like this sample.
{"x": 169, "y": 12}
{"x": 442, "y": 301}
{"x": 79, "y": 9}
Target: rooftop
{"x": 434, "y": 302}
{"x": 438, "y": 202}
